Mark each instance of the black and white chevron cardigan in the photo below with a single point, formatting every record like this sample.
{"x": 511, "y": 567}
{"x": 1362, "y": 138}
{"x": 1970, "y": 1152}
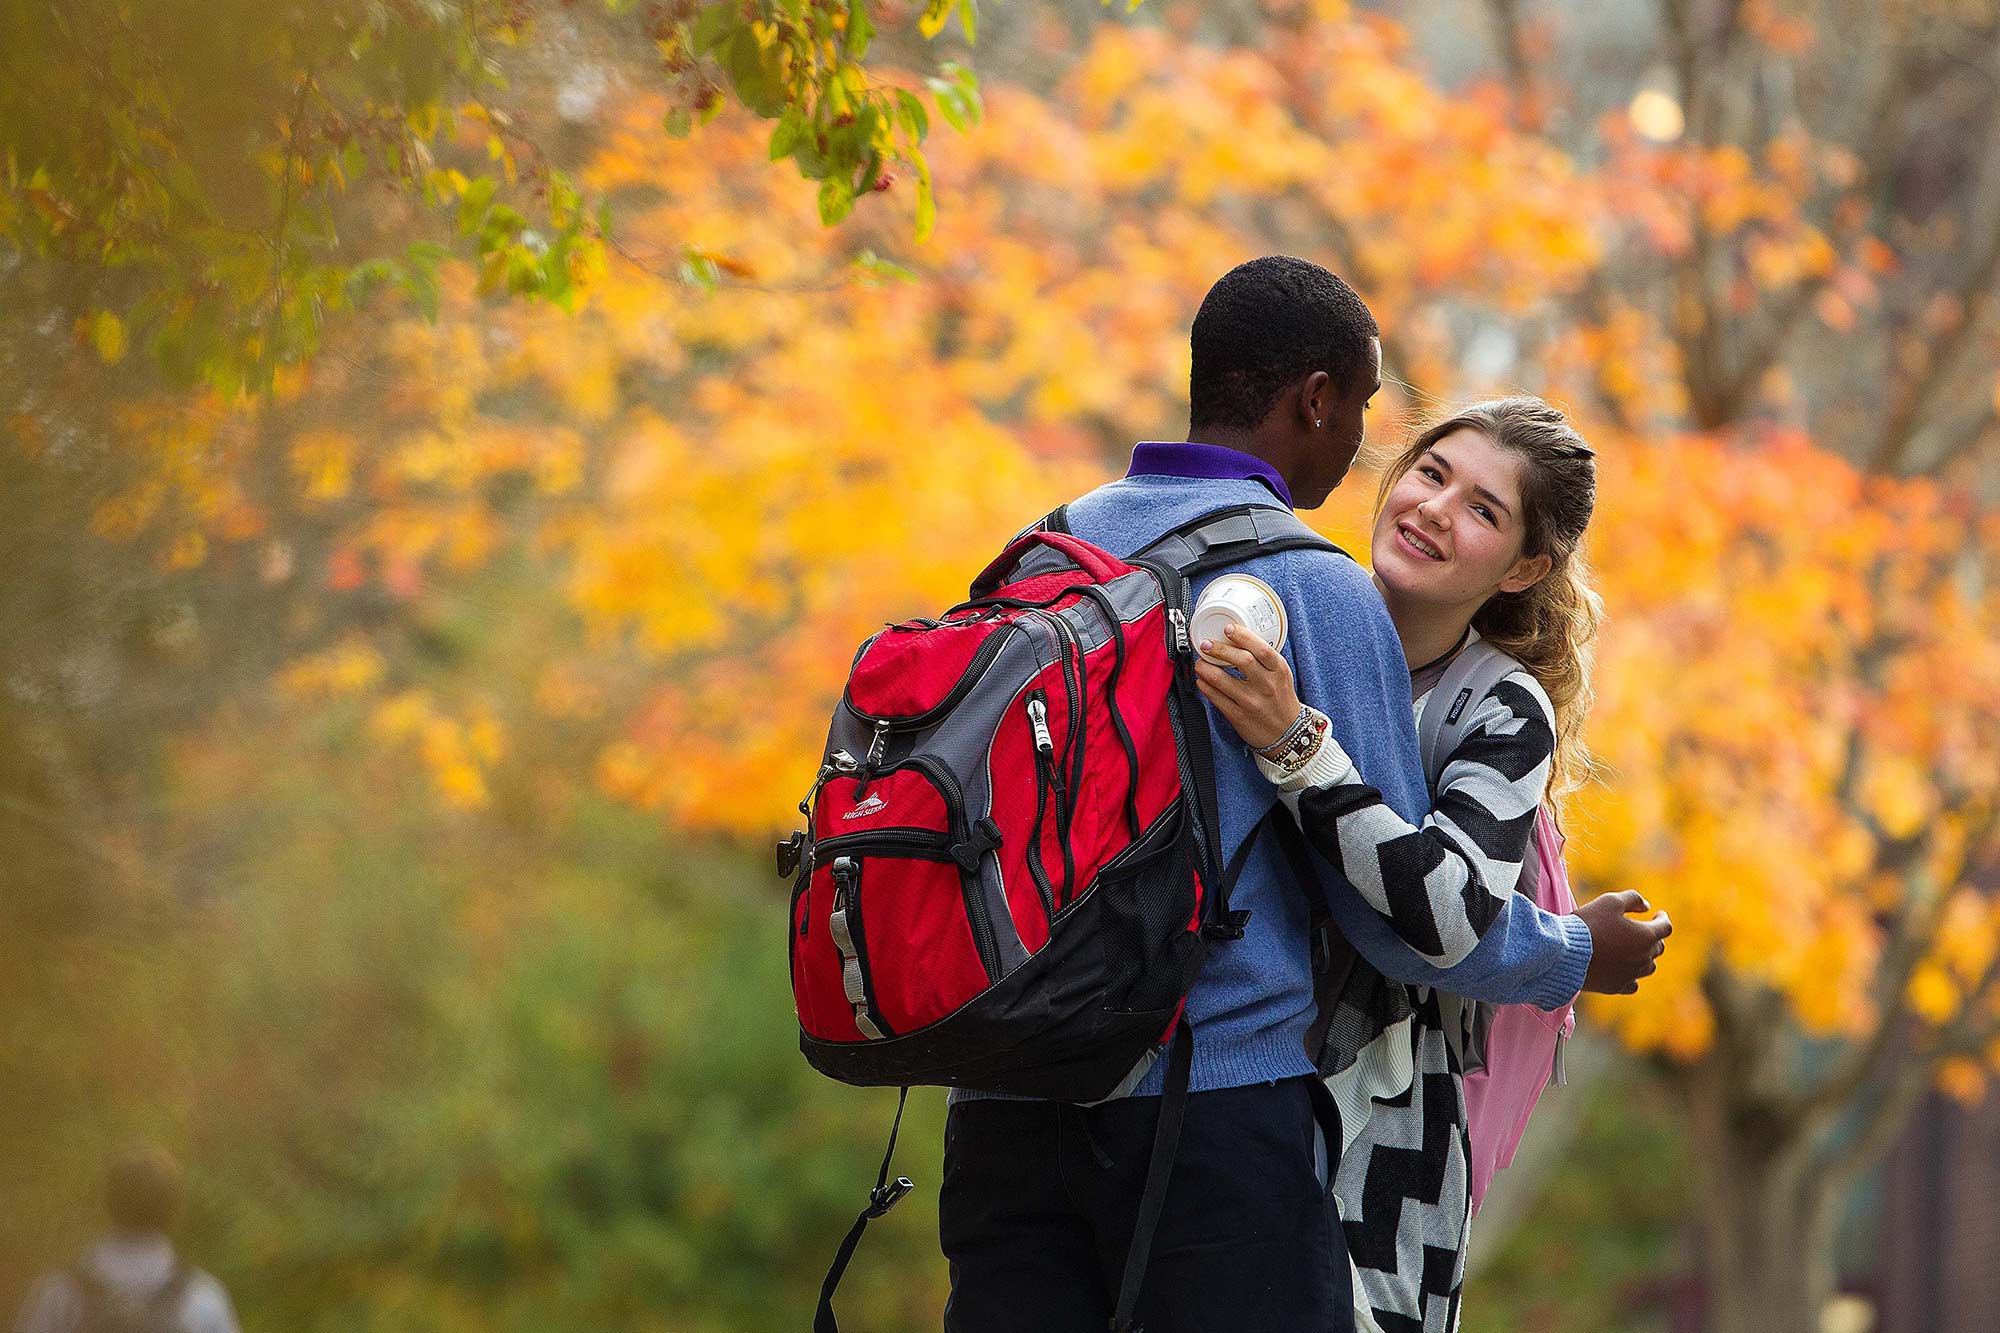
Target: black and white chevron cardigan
{"x": 1402, "y": 1178}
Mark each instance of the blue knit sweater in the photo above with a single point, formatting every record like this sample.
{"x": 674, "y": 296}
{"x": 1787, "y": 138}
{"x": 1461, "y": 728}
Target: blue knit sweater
{"x": 1253, "y": 1000}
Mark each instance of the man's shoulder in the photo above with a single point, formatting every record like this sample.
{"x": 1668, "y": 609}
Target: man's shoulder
{"x": 1317, "y": 583}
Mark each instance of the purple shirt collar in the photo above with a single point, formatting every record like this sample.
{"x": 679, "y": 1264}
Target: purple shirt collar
{"x": 1215, "y": 461}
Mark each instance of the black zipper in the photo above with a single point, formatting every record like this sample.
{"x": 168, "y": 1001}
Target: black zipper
{"x": 913, "y": 844}
{"x": 847, "y": 900}
{"x": 973, "y": 671}
{"x": 1038, "y": 728}
{"x": 1069, "y": 646}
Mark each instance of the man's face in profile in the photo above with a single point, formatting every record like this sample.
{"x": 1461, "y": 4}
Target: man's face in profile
{"x": 1346, "y": 414}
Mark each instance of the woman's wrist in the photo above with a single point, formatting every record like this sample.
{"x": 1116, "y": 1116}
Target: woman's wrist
{"x": 1324, "y": 764}
{"x": 1293, "y": 738}
{"x": 1291, "y": 752}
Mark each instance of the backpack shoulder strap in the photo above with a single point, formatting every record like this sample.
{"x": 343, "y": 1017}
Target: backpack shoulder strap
{"x": 1230, "y": 536}
{"x": 1449, "y": 707}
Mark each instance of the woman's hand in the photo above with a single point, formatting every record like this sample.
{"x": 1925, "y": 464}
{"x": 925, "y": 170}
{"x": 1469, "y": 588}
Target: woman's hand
{"x": 1264, "y": 703}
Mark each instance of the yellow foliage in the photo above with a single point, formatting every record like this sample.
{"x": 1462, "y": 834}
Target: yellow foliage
{"x": 1934, "y": 997}
{"x": 732, "y": 486}
{"x": 348, "y": 668}
{"x": 1963, "y": 1079}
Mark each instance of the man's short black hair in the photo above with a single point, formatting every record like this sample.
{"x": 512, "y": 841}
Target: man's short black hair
{"x": 1265, "y": 326}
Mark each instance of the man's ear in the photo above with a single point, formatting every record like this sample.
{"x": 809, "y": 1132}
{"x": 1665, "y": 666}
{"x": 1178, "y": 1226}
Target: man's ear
{"x": 1316, "y": 397}
{"x": 1526, "y": 573}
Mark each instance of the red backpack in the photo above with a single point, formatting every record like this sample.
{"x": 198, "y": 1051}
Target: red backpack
{"x": 1010, "y": 873}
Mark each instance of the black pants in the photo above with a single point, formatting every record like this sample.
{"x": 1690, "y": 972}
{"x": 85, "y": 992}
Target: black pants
{"x": 1039, "y": 1199}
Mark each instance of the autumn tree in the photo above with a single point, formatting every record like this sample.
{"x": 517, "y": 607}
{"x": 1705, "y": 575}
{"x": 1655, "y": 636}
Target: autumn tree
{"x": 753, "y": 439}
{"x": 209, "y": 181}
{"x": 1800, "y": 715}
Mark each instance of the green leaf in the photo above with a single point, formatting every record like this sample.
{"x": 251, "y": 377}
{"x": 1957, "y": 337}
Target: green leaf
{"x": 951, "y": 105}
{"x": 699, "y": 270}
{"x": 873, "y": 264}
{"x": 926, "y": 199}
{"x": 836, "y": 200}
{"x": 910, "y": 112}
{"x": 422, "y": 285}
{"x": 679, "y": 123}
{"x": 364, "y": 278}
{"x": 711, "y": 26}
{"x": 791, "y": 129}
{"x": 107, "y": 335}
{"x": 859, "y": 30}
{"x": 473, "y": 204}
{"x": 968, "y": 17}
{"x": 754, "y": 75}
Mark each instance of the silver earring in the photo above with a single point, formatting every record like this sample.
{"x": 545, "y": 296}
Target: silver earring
{"x": 1317, "y": 423}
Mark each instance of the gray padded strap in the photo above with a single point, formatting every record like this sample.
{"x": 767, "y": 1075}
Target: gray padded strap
{"x": 1448, "y": 711}
{"x": 1244, "y": 530}
{"x": 1449, "y": 708}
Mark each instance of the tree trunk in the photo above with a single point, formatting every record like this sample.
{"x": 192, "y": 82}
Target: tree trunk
{"x": 1766, "y": 1222}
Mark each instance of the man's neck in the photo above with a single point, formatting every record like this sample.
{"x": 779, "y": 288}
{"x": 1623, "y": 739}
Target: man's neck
{"x": 1428, "y": 632}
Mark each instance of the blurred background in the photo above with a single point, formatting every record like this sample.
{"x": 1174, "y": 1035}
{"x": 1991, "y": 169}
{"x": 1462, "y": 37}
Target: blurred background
{"x": 450, "y": 451}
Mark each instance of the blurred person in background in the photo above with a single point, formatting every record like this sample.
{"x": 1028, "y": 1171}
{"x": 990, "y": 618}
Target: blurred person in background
{"x": 132, "y": 1280}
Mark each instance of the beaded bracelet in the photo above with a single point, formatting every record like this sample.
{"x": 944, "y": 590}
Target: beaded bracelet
{"x": 1301, "y": 734}
{"x": 1299, "y": 760}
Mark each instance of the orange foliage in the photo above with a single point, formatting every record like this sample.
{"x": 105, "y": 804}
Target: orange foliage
{"x": 732, "y": 482}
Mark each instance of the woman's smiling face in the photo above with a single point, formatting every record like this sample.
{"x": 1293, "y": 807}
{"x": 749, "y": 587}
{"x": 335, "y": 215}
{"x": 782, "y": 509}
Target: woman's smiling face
{"x": 1452, "y": 528}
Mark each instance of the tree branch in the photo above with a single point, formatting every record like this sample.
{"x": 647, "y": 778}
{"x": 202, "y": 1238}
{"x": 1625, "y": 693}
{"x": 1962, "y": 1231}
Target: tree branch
{"x": 1521, "y": 81}
{"x": 1912, "y": 402}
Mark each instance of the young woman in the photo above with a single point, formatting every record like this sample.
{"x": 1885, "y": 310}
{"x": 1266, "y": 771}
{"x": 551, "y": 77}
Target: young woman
{"x": 1477, "y": 534}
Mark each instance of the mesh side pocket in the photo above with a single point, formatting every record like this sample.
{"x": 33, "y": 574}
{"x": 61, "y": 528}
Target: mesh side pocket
{"x": 1147, "y": 906}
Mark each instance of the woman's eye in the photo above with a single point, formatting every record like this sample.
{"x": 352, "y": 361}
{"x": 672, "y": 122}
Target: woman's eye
{"x": 1431, "y": 472}
{"x": 1486, "y": 514}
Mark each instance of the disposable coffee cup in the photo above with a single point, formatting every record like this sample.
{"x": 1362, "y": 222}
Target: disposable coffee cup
{"x": 1239, "y": 599}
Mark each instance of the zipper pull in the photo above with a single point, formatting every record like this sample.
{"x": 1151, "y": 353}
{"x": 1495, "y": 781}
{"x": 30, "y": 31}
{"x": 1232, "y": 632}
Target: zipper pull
{"x": 1557, "y": 1077}
{"x": 843, "y": 881}
{"x": 1182, "y": 644}
{"x": 1038, "y": 718}
{"x": 877, "y": 749}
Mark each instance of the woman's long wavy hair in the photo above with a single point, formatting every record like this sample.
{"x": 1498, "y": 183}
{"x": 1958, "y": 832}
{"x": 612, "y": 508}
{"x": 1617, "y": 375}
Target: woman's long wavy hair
{"x": 1548, "y": 627}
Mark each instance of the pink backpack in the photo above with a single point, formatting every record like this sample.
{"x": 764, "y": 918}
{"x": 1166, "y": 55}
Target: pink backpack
{"x": 1509, "y": 1052}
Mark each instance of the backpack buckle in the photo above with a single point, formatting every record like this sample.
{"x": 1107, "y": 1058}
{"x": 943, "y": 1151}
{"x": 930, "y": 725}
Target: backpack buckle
{"x": 884, "y": 1197}
{"x": 1230, "y": 927}
{"x": 985, "y": 838}
{"x": 790, "y": 852}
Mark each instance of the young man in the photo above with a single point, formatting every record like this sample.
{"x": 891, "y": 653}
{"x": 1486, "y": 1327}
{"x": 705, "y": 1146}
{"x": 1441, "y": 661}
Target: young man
{"x": 1039, "y": 1199}
{"x": 132, "y": 1278}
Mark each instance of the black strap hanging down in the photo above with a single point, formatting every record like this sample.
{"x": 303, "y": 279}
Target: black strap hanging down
{"x": 880, "y": 1200}
{"x": 1229, "y": 923}
{"x": 1166, "y": 1144}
